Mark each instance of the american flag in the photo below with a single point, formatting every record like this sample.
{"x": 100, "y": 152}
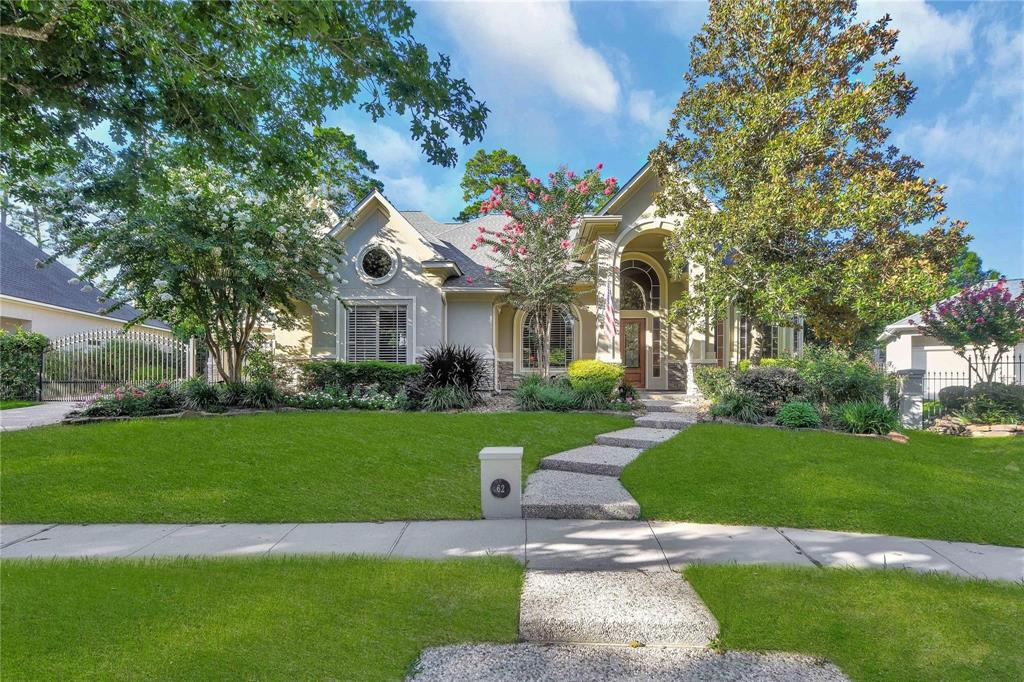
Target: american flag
{"x": 611, "y": 316}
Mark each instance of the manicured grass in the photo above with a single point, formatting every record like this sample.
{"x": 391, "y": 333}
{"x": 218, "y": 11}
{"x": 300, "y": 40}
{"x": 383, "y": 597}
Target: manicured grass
{"x": 939, "y": 487}
{"x": 335, "y": 466}
{"x": 875, "y": 625}
{"x": 14, "y": 404}
{"x": 300, "y": 618}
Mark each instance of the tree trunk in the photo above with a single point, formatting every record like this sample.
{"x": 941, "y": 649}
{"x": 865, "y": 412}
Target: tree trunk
{"x": 542, "y": 329}
{"x": 756, "y": 335}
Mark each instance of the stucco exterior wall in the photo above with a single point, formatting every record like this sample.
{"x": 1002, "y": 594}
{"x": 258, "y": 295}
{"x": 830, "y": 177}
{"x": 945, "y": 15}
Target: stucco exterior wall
{"x": 56, "y": 322}
{"x": 470, "y": 323}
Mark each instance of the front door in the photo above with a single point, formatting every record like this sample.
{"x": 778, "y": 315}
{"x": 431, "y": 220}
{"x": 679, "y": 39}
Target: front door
{"x": 634, "y": 351}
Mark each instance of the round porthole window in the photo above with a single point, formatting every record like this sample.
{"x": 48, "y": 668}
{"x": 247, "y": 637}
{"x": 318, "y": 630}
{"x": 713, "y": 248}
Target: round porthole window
{"x": 377, "y": 263}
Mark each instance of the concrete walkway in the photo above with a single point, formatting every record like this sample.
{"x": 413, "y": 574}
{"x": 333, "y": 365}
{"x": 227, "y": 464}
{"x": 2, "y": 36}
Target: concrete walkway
{"x": 583, "y": 483}
{"x": 37, "y": 415}
{"x": 541, "y": 544}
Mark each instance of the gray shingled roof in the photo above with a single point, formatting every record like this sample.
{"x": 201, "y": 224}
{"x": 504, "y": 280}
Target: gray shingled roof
{"x": 453, "y": 241}
{"x": 20, "y": 278}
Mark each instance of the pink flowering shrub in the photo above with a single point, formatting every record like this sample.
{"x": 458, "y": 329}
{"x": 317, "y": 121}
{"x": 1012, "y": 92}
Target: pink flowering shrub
{"x": 985, "y": 321}
{"x": 536, "y": 255}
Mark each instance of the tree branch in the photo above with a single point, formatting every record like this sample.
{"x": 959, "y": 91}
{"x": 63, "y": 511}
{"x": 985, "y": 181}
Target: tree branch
{"x": 42, "y": 35}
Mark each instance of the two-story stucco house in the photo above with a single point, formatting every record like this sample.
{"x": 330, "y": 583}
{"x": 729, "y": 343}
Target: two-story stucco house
{"x": 409, "y": 282}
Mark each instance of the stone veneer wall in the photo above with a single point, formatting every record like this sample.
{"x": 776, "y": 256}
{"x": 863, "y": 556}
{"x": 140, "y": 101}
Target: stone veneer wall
{"x": 487, "y": 383}
{"x": 677, "y": 376}
{"x": 506, "y": 375}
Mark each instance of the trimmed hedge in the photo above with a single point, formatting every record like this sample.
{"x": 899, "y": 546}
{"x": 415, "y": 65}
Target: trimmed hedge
{"x": 595, "y": 376}
{"x": 19, "y": 364}
{"x": 389, "y": 377}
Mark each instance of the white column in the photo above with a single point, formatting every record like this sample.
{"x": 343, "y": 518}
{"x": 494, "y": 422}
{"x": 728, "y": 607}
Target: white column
{"x": 607, "y": 344}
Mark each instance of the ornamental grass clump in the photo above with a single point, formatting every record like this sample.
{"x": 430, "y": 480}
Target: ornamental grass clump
{"x": 863, "y": 416}
{"x": 738, "y": 405}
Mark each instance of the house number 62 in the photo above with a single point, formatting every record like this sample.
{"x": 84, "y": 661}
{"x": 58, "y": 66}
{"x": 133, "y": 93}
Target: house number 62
{"x": 500, "y": 487}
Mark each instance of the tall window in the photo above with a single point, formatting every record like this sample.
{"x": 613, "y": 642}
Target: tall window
{"x": 714, "y": 344}
{"x": 743, "y": 338}
{"x": 562, "y": 331}
{"x": 770, "y": 344}
{"x": 377, "y": 332}
{"x": 638, "y": 286}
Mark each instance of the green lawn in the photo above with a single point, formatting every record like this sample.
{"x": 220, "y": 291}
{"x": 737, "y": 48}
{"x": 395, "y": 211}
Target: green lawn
{"x": 280, "y": 618}
{"x": 333, "y": 466}
{"x": 14, "y": 404}
{"x": 938, "y": 487}
{"x": 875, "y": 625}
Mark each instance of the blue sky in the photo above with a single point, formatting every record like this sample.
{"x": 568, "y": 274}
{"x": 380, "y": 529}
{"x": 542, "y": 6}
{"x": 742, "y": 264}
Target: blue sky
{"x": 586, "y": 82}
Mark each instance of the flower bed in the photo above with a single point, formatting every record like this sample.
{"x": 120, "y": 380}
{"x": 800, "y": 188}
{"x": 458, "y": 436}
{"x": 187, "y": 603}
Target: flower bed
{"x": 823, "y": 388}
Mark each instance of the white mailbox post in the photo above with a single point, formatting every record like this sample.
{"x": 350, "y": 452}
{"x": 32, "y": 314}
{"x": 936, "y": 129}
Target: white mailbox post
{"x": 501, "y": 489}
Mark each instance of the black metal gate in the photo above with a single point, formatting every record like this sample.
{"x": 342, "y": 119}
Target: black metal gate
{"x": 77, "y": 366}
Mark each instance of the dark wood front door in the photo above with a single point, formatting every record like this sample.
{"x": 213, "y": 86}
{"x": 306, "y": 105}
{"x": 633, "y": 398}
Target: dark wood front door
{"x": 633, "y": 342}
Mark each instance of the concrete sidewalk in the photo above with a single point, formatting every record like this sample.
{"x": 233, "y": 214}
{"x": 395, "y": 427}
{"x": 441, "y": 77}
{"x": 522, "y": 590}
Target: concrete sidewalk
{"x": 37, "y": 415}
{"x": 553, "y": 544}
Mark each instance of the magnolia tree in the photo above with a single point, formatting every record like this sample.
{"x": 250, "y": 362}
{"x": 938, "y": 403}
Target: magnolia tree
{"x": 986, "y": 321}
{"x": 535, "y": 255}
{"x": 206, "y": 251}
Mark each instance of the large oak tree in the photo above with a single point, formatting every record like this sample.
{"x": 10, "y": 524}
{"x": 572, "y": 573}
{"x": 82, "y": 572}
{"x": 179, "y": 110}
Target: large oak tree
{"x": 796, "y": 201}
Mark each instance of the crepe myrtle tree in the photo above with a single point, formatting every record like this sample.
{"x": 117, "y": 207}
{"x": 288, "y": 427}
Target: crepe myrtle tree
{"x": 207, "y": 251}
{"x": 535, "y": 255}
{"x": 985, "y": 321}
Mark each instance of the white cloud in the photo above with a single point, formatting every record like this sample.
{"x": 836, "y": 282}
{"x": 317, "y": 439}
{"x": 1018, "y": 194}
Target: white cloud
{"x": 988, "y": 146}
{"x": 940, "y": 39}
{"x": 683, "y": 18}
{"x": 645, "y": 108}
{"x": 531, "y": 45}
{"x": 400, "y": 160}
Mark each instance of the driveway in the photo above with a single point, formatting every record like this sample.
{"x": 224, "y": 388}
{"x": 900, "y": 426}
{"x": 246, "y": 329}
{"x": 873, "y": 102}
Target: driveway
{"x": 37, "y": 415}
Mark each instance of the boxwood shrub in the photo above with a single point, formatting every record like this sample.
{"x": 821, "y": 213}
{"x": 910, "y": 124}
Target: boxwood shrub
{"x": 594, "y": 377}
{"x": 389, "y": 377}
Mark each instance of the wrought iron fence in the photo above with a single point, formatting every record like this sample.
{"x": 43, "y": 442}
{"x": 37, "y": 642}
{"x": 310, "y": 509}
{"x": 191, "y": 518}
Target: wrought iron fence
{"x": 1008, "y": 371}
{"x": 79, "y": 365}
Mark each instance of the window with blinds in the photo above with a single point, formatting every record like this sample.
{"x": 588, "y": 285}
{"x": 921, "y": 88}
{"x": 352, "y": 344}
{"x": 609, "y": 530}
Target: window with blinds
{"x": 561, "y": 342}
{"x": 377, "y": 332}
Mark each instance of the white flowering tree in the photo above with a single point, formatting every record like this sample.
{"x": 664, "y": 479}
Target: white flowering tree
{"x": 206, "y": 251}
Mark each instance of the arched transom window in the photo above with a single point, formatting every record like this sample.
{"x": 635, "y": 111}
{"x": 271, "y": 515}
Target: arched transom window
{"x": 639, "y": 288}
{"x": 563, "y": 329}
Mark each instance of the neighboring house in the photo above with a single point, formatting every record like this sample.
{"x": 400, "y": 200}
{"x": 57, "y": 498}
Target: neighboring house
{"x": 50, "y": 300}
{"x": 906, "y": 348}
{"x": 409, "y": 282}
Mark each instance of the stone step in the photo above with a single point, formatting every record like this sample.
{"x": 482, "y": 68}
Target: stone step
{"x": 603, "y": 460}
{"x": 635, "y": 437}
{"x": 670, "y": 406}
{"x": 577, "y": 663}
{"x": 570, "y": 495}
{"x": 613, "y": 607}
{"x": 666, "y": 420}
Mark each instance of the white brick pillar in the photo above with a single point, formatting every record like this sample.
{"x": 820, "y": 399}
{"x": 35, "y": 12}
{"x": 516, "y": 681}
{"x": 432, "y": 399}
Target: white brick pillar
{"x": 911, "y": 397}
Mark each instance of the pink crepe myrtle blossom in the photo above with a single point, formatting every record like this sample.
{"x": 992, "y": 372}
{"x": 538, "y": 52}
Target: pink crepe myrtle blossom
{"x": 469, "y": 280}
{"x": 473, "y": 246}
{"x": 599, "y": 166}
{"x": 982, "y": 323}
{"x": 565, "y": 243}
{"x": 487, "y": 269}
{"x": 480, "y": 229}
